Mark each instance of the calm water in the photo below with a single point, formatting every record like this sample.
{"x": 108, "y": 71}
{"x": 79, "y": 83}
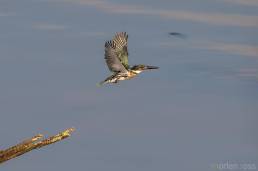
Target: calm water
{"x": 198, "y": 112}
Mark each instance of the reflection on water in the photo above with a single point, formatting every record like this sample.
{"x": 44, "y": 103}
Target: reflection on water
{"x": 225, "y": 19}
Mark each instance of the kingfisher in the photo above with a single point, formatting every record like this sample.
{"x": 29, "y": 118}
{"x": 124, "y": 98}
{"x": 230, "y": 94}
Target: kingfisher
{"x": 116, "y": 57}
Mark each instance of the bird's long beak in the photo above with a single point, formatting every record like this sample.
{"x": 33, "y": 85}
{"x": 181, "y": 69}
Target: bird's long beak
{"x": 151, "y": 67}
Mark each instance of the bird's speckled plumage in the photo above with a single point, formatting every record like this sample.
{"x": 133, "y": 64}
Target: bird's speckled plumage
{"x": 120, "y": 40}
{"x": 112, "y": 60}
{"x": 116, "y": 56}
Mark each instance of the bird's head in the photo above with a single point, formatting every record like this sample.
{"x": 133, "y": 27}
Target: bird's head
{"x": 140, "y": 68}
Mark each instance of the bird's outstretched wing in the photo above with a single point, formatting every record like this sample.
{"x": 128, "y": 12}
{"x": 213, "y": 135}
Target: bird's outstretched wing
{"x": 120, "y": 40}
{"x": 112, "y": 60}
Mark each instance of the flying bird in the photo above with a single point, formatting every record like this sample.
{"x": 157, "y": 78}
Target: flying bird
{"x": 116, "y": 56}
{"x": 176, "y": 34}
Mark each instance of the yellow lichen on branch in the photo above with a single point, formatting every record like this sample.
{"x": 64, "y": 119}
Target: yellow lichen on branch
{"x": 31, "y": 144}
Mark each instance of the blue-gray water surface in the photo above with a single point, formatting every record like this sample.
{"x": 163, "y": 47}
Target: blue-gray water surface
{"x": 197, "y": 112}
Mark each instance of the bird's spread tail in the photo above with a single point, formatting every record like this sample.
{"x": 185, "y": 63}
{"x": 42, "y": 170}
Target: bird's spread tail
{"x": 111, "y": 79}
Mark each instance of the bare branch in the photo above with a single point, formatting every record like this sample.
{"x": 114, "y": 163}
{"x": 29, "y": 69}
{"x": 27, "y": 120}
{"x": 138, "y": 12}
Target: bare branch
{"x": 31, "y": 144}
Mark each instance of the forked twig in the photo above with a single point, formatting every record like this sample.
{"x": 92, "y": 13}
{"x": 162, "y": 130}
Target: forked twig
{"x": 31, "y": 144}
